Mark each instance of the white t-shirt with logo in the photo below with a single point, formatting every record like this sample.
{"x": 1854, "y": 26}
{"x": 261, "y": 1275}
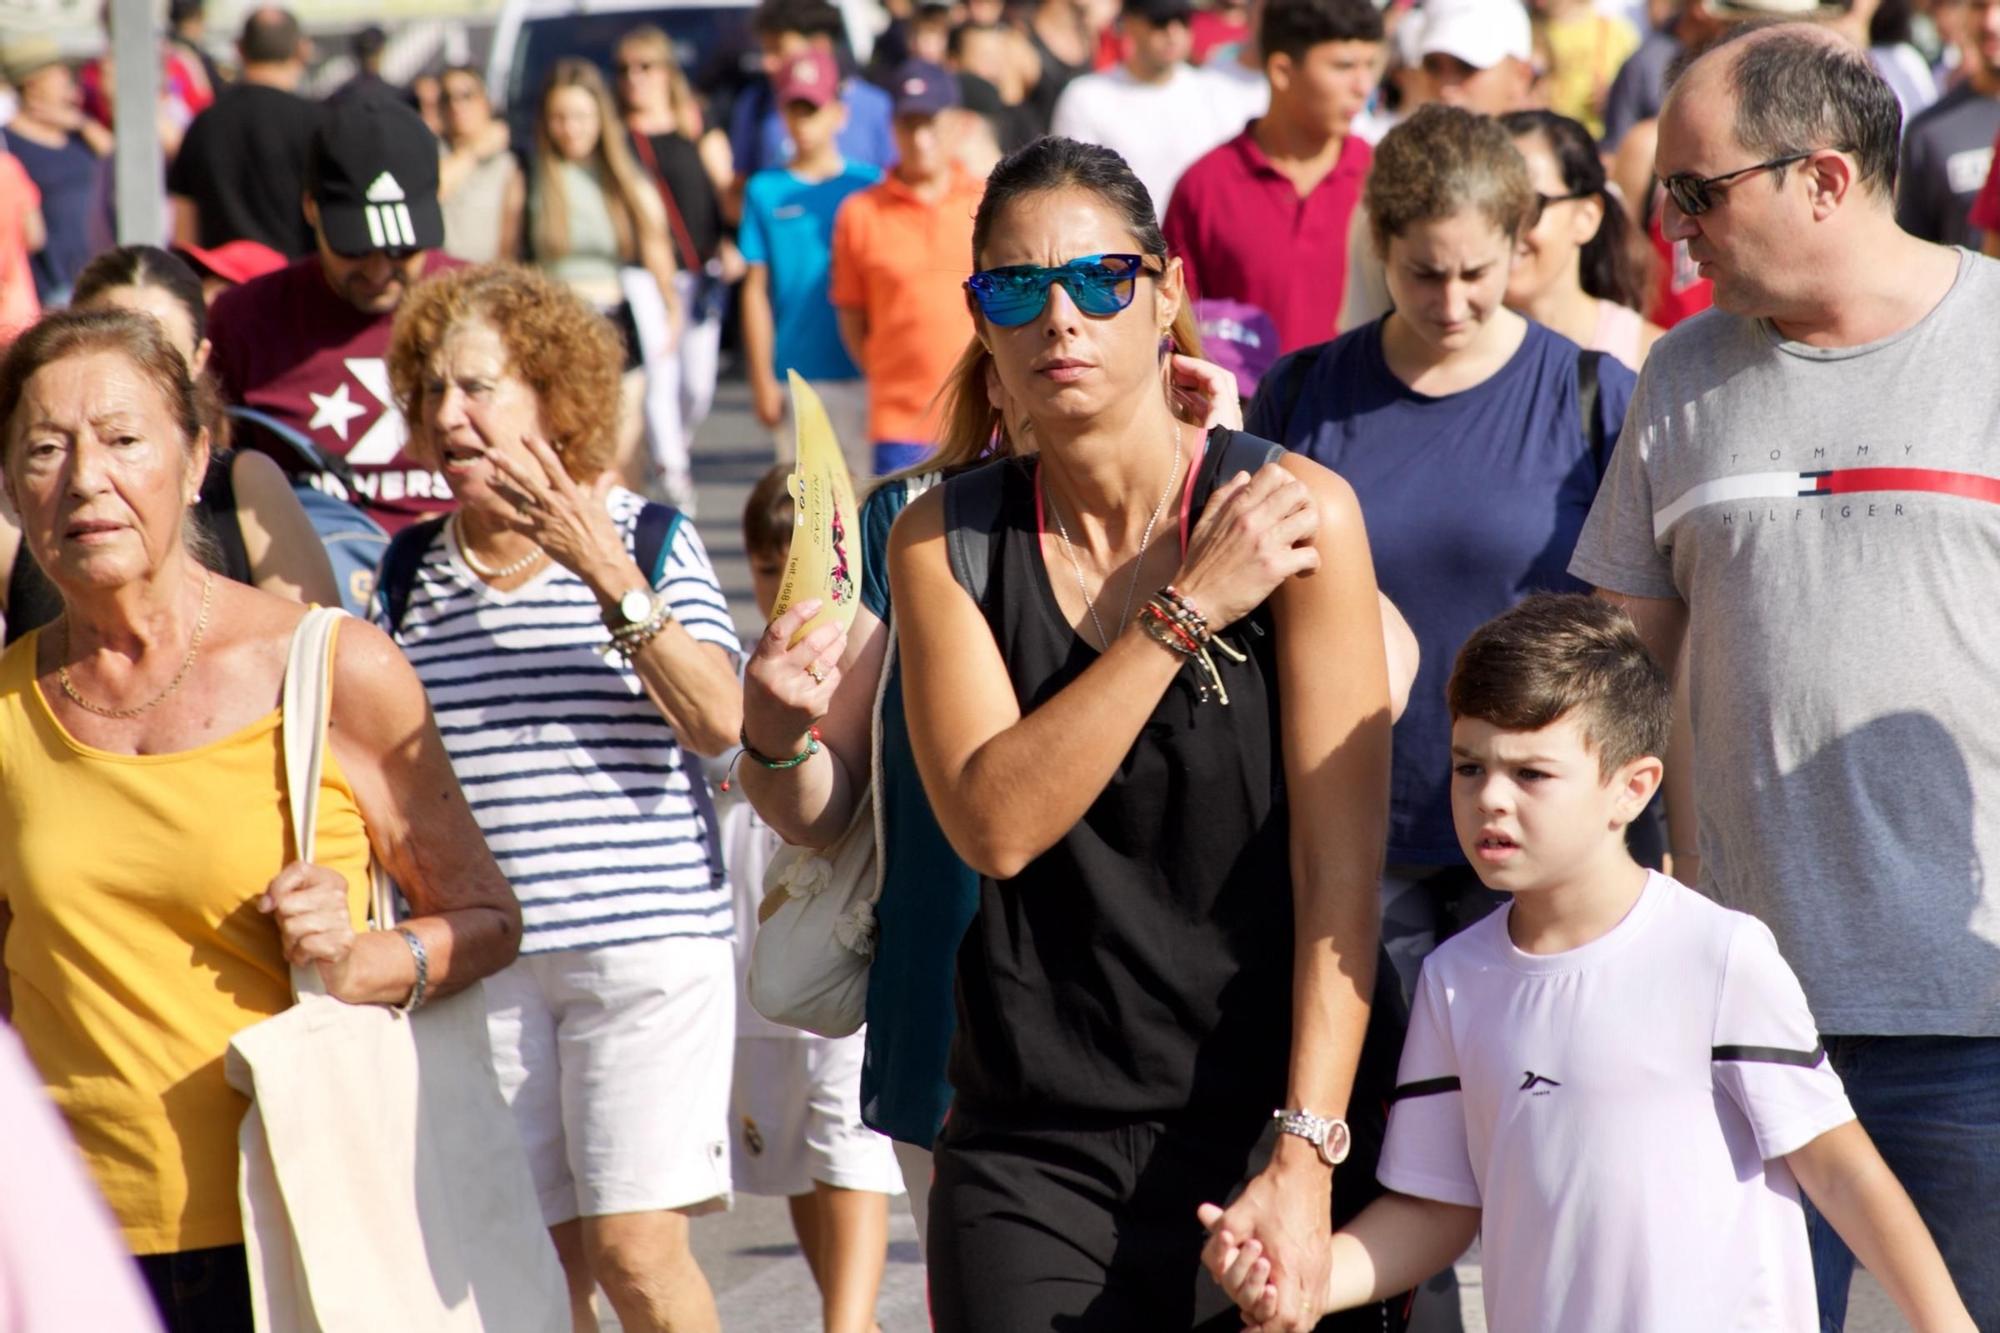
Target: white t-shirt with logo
{"x": 1617, "y": 1112}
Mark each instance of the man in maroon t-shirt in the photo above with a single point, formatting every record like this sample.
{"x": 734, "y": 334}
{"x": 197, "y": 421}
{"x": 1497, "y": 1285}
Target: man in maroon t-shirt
{"x": 307, "y": 345}
{"x": 1264, "y": 218}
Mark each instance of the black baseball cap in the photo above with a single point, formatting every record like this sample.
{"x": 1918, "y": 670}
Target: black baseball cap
{"x": 373, "y": 171}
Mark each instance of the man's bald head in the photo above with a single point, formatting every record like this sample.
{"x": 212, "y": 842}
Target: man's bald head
{"x": 271, "y": 36}
{"x": 1798, "y": 87}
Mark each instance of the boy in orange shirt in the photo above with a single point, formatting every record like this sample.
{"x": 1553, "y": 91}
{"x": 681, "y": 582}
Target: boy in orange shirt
{"x": 901, "y": 250}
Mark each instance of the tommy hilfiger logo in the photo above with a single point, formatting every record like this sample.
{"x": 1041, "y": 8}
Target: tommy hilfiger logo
{"x": 1534, "y": 1081}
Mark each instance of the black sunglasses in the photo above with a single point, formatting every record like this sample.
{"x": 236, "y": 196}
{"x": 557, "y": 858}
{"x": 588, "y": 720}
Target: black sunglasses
{"x": 1695, "y": 195}
{"x": 1542, "y": 202}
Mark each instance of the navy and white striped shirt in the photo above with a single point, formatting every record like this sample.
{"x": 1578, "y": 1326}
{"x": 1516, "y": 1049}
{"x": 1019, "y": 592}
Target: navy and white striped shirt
{"x": 572, "y": 773}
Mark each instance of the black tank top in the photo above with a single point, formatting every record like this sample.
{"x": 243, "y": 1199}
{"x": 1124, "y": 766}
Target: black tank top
{"x": 1141, "y": 968}
{"x": 32, "y": 601}
{"x": 1057, "y": 74}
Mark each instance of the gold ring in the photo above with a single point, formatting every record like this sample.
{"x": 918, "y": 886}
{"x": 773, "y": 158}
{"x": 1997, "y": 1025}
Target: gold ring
{"x": 819, "y": 676}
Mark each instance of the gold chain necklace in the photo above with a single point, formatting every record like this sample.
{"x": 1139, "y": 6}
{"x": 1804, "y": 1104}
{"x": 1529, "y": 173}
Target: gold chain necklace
{"x": 507, "y": 571}
{"x": 187, "y": 664}
{"x": 1138, "y": 567}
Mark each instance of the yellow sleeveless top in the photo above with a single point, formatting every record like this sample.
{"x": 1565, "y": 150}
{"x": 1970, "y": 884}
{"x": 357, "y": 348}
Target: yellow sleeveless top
{"x": 137, "y": 949}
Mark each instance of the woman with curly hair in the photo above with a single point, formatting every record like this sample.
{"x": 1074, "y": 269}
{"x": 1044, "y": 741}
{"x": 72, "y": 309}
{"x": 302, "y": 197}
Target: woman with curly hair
{"x": 569, "y": 685}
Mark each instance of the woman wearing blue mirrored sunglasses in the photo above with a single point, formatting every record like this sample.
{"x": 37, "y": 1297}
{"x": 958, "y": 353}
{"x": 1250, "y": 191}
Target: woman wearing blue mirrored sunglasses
{"x": 1134, "y": 717}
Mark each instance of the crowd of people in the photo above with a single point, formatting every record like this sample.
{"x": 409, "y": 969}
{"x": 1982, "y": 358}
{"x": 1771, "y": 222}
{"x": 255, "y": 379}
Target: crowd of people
{"x": 1414, "y": 676}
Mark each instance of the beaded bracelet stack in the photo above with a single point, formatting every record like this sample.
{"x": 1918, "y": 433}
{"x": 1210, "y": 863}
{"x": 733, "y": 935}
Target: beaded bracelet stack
{"x": 628, "y": 640}
{"x": 1176, "y": 624}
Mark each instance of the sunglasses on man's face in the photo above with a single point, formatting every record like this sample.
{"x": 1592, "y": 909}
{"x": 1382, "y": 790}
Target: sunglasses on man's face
{"x": 1099, "y": 284}
{"x": 1695, "y": 195}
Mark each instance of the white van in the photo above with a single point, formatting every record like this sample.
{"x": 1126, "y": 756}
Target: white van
{"x": 712, "y": 42}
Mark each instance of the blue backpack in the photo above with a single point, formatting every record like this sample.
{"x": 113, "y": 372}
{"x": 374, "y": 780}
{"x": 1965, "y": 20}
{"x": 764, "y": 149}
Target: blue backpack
{"x": 354, "y": 542}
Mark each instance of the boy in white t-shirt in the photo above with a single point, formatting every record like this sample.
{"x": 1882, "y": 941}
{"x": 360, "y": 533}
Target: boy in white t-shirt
{"x": 1614, "y": 1082}
{"x": 795, "y": 1105}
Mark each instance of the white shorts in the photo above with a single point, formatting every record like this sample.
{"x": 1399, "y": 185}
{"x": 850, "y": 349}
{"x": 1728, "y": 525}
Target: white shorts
{"x": 615, "y": 1062}
{"x": 796, "y": 1116}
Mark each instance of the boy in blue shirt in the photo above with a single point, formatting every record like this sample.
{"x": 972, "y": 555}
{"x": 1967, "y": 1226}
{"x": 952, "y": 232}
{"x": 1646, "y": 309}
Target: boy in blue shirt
{"x": 789, "y": 322}
{"x": 1614, "y": 1082}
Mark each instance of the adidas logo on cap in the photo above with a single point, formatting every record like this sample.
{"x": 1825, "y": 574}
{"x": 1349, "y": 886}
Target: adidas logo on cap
{"x": 384, "y": 190}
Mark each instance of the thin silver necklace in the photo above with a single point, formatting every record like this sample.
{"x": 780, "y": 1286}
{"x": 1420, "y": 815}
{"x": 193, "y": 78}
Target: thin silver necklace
{"x": 1138, "y": 566}
{"x": 507, "y": 571}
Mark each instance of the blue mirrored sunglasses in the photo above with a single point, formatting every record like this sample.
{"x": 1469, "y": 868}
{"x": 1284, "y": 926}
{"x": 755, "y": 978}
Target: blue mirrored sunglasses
{"x": 1099, "y": 284}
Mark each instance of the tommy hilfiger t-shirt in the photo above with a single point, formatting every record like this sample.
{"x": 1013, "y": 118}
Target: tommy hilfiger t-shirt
{"x": 1617, "y": 1113}
{"x": 1831, "y": 517}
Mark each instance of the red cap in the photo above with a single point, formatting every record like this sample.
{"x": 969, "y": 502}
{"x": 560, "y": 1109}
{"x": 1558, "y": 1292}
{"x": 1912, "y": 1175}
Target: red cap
{"x": 238, "y": 261}
{"x": 812, "y": 77}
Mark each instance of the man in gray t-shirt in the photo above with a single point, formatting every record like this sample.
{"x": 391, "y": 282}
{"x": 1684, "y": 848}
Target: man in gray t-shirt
{"x": 1808, "y": 489}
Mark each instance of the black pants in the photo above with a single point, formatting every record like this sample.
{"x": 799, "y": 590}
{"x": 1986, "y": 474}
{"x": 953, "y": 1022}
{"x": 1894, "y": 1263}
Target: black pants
{"x": 200, "y": 1291}
{"x": 1093, "y": 1230}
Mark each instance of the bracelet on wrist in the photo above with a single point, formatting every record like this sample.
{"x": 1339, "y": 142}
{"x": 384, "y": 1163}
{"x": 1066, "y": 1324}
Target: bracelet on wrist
{"x": 775, "y": 765}
{"x": 628, "y": 640}
{"x": 1171, "y": 620}
{"x": 421, "y": 957}
{"x": 756, "y": 755}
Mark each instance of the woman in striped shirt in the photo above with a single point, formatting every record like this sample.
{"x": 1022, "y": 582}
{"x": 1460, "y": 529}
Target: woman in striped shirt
{"x": 569, "y": 685}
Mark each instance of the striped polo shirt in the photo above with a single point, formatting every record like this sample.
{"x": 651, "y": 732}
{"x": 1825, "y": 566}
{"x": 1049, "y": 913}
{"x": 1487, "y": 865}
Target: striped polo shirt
{"x": 578, "y": 782}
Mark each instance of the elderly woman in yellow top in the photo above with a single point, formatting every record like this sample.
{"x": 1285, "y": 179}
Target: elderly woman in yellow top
{"x": 149, "y": 896}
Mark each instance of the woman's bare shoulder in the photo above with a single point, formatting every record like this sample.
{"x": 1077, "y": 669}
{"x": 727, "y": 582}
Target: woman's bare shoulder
{"x": 1337, "y": 501}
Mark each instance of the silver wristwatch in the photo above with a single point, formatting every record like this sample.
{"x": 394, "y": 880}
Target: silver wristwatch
{"x": 632, "y": 609}
{"x": 1329, "y": 1134}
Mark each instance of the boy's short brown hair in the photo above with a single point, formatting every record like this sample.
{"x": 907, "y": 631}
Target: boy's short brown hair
{"x": 767, "y": 514}
{"x": 1562, "y": 653}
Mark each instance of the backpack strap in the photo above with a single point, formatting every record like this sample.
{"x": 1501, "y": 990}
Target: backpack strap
{"x": 652, "y": 539}
{"x": 398, "y": 576}
{"x": 1238, "y": 452}
{"x": 972, "y": 502}
{"x": 302, "y": 448}
{"x": 1587, "y": 364}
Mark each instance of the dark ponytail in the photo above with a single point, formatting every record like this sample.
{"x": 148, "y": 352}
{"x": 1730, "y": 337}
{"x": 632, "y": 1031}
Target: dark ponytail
{"x": 1610, "y": 272}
